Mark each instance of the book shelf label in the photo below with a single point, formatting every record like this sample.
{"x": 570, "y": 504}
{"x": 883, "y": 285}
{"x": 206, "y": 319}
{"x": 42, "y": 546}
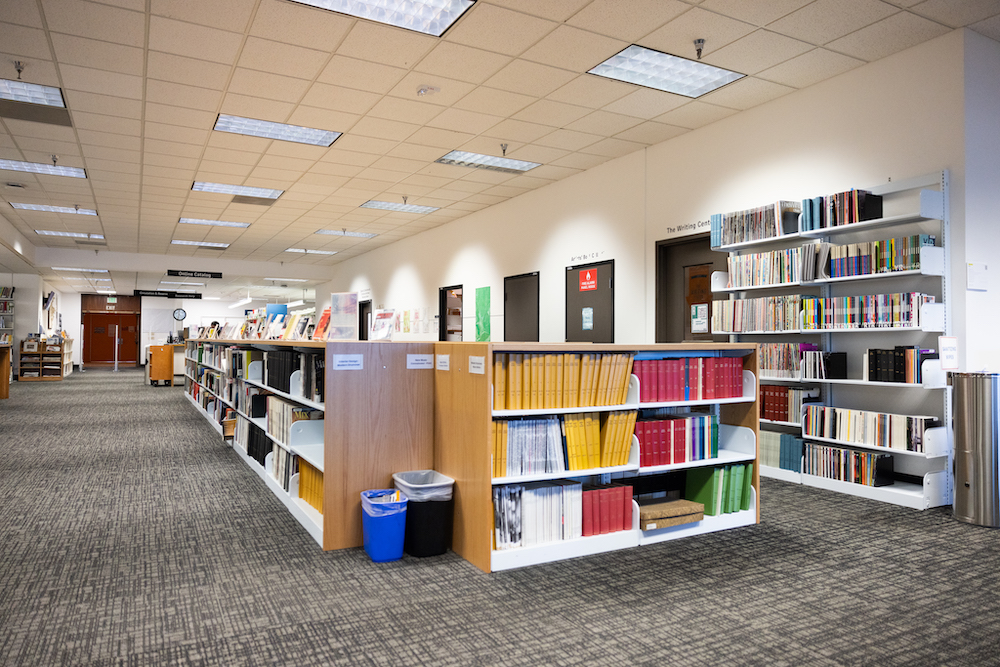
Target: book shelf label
{"x": 420, "y": 362}
{"x": 444, "y": 362}
{"x": 949, "y": 352}
{"x": 477, "y": 365}
{"x": 348, "y": 362}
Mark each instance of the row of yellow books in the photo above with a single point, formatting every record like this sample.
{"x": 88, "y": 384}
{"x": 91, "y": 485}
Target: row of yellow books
{"x": 311, "y": 485}
{"x": 559, "y": 380}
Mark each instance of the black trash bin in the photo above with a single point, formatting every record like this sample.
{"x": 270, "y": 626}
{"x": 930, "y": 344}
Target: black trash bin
{"x": 429, "y": 513}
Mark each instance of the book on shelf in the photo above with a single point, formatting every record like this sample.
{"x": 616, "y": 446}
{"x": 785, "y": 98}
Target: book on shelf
{"x": 7, "y": 292}
{"x": 537, "y": 381}
{"x": 848, "y": 465}
{"x": 721, "y": 489}
{"x": 689, "y": 379}
{"x": 867, "y": 311}
{"x": 783, "y": 360}
{"x": 343, "y": 316}
{"x": 842, "y": 208}
{"x": 310, "y": 485}
{"x": 252, "y": 440}
{"x": 775, "y": 267}
{"x": 672, "y": 439}
{"x": 875, "y": 257}
{"x": 863, "y": 427}
{"x": 284, "y": 465}
{"x": 781, "y": 450}
{"x": 900, "y": 364}
{"x": 761, "y": 314}
{"x": 755, "y": 224}
{"x": 607, "y": 508}
{"x": 781, "y": 403}
{"x": 322, "y": 325}
{"x": 820, "y": 365}
{"x": 281, "y": 414}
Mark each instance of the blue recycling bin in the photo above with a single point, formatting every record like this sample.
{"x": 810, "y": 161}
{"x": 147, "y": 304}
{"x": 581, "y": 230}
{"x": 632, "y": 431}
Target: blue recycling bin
{"x": 383, "y": 524}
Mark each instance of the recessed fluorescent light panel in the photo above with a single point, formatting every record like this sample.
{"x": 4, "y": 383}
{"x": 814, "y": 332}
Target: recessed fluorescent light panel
{"x": 393, "y": 206}
{"x": 344, "y": 232}
{"x": 662, "y": 71}
{"x": 431, "y": 17}
{"x": 42, "y": 168}
{"x": 311, "y": 252}
{"x": 212, "y": 223}
{"x": 54, "y": 209}
{"x": 490, "y": 162}
{"x": 288, "y": 280}
{"x": 280, "y": 131}
{"x": 173, "y": 282}
{"x": 75, "y": 235}
{"x": 66, "y": 268}
{"x": 205, "y": 244}
{"x": 244, "y": 190}
{"x": 22, "y": 91}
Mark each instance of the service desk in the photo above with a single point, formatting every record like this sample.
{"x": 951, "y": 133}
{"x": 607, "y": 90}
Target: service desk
{"x": 166, "y": 361}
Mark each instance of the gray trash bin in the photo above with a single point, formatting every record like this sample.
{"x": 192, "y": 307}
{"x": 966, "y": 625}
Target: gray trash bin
{"x": 977, "y": 465}
{"x": 430, "y": 512}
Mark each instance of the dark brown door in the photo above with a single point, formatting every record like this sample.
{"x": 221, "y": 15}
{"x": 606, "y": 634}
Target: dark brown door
{"x": 99, "y": 340}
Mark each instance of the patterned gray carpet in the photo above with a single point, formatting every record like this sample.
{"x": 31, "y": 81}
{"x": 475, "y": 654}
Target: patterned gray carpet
{"x": 129, "y": 535}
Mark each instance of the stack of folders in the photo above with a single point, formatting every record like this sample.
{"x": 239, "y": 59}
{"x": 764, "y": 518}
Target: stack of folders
{"x": 543, "y": 381}
{"x": 848, "y": 465}
{"x": 311, "y": 485}
{"x": 671, "y": 439}
{"x": 900, "y": 364}
{"x": 689, "y": 379}
{"x": 721, "y": 489}
{"x": 530, "y": 514}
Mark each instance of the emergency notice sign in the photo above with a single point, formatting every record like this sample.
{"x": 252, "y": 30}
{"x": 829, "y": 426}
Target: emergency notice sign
{"x": 588, "y": 280}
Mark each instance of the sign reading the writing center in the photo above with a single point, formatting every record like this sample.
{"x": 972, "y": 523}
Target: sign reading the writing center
{"x": 588, "y": 280}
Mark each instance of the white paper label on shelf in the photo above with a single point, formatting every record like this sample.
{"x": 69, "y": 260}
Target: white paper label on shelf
{"x": 420, "y": 361}
{"x": 949, "y": 352}
{"x": 444, "y": 362}
{"x": 477, "y": 365}
{"x": 348, "y": 362}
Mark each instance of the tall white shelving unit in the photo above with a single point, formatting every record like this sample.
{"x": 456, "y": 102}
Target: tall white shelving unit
{"x": 917, "y": 205}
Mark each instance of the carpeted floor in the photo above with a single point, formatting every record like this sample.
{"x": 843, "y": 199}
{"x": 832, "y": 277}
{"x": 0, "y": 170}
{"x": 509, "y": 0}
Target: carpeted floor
{"x": 130, "y": 535}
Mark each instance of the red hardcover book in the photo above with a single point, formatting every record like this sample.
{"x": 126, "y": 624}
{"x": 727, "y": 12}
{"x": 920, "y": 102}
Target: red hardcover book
{"x": 674, "y": 379}
{"x": 640, "y": 372}
{"x": 680, "y": 435}
{"x": 661, "y": 381}
{"x": 617, "y": 500}
{"x": 783, "y": 403}
{"x": 627, "y": 507}
{"x": 711, "y": 377}
{"x": 604, "y": 504}
{"x": 642, "y": 432}
{"x": 663, "y": 451}
{"x": 588, "y": 513}
{"x": 737, "y": 378}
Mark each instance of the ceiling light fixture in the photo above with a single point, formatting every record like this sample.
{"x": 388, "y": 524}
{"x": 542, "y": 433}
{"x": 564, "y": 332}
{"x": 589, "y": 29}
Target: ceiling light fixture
{"x": 241, "y": 302}
{"x": 489, "y": 162}
{"x": 281, "y": 131}
{"x": 42, "y": 168}
{"x": 431, "y": 17}
{"x": 662, "y": 71}
{"x": 244, "y": 190}
{"x": 54, "y": 209}
{"x": 344, "y": 232}
{"x": 403, "y": 208}
{"x": 174, "y": 282}
{"x": 205, "y": 244}
{"x": 75, "y": 235}
{"x": 311, "y": 252}
{"x": 66, "y": 268}
{"x": 213, "y": 223}
{"x": 288, "y": 280}
{"x": 32, "y": 93}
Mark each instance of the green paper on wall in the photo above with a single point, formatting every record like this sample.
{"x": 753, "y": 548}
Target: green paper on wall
{"x": 483, "y": 314}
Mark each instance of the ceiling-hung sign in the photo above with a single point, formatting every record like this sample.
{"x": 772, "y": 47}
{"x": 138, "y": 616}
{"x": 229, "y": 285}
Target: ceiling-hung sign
{"x": 588, "y": 280}
{"x": 166, "y": 294}
{"x": 179, "y": 273}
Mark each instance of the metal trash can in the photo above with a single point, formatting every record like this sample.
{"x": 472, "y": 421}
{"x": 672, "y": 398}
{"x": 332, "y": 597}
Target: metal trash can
{"x": 977, "y": 465}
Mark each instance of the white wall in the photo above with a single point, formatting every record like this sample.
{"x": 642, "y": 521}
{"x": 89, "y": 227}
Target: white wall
{"x": 899, "y": 117}
{"x": 27, "y": 307}
{"x": 157, "y": 317}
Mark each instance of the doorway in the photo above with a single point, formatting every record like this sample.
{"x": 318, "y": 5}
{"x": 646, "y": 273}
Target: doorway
{"x": 364, "y": 319}
{"x": 100, "y": 340}
{"x": 450, "y": 309}
{"x": 520, "y": 308}
{"x": 590, "y": 303}
{"x": 684, "y": 289}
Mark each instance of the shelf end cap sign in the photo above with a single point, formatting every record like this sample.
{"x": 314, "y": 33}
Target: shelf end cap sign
{"x": 588, "y": 280}
{"x": 181, "y": 273}
{"x": 948, "y": 346}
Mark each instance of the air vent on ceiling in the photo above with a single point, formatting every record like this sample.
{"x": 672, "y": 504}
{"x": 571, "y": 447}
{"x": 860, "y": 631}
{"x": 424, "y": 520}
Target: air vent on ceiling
{"x": 35, "y": 112}
{"x": 259, "y": 201}
{"x": 14, "y": 185}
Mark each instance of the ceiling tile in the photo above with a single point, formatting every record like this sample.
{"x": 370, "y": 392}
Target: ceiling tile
{"x": 93, "y": 138}
{"x": 990, "y": 28}
{"x": 416, "y": 152}
{"x": 539, "y": 154}
{"x": 298, "y": 24}
{"x": 677, "y": 37}
{"x": 591, "y": 91}
{"x": 446, "y": 139}
{"x": 888, "y": 36}
{"x": 356, "y": 143}
{"x": 757, "y": 51}
{"x": 184, "y": 39}
{"x": 495, "y": 101}
{"x": 460, "y": 62}
{"x": 604, "y": 123}
{"x": 464, "y": 121}
{"x": 87, "y": 19}
{"x": 569, "y": 140}
{"x": 99, "y": 55}
{"x": 528, "y": 78}
{"x": 227, "y": 171}
{"x": 81, "y": 101}
{"x": 100, "y": 82}
{"x": 695, "y": 114}
{"x": 651, "y": 133}
{"x": 757, "y": 13}
{"x": 337, "y": 98}
{"x": 574, "y": 49}
{"x": 232, "y": 15}
{"x": 746, "y": 93}
{"x": 37, "y": 71}
{"x": 825, "y": 20}
{"x": 338, "y": 162}
{"x": 549, "y": 112}
{"x": 186, "y": 117}
{"x": 24, "y": 42}
{"x": 397, "y": 108}
{"x": 21, "y": 12}
{"x": 116, "y": 154}
{"x": 323, "y": 118}
{"x": 189, "y": 71}
{"x": 189, "y": 164}
{"x": 176, "y": 94}
{"x": 809, "y": 68}
{"x": 361, "y": 75}
{"x": 630, "y": 22}
{"x": 646, "y": 103}
{"x": 450, "y": 90}
{"x": 184, "y": 135}
{"x": 168, "y": 148}
{"x": 382, "y": 128}
{"x": 957, "y": 14}
{"x": 385, "y": 44}
{"x": 578, "y": 161}
{"x": 512, "y": 130}
{"x": 253, "y": 107}
{"x": 500, "y": 30}
{"x": 284, "y": 59}
{"x": 270, "y": 86}
{"x": 102, "y": 123}
{"x": 612, "y": 148}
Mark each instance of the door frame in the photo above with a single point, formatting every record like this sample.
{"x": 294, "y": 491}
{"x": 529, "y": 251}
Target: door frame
{"x": 443, "y": 311}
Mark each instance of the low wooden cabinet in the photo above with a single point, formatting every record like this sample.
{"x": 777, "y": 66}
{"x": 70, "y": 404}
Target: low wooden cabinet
{"x": 40, "y": 361}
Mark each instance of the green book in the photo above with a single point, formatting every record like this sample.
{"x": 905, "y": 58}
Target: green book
{"x": 703, "y": 486}
{"x": 736, "y": 488}
{"x": 747, "y": 487}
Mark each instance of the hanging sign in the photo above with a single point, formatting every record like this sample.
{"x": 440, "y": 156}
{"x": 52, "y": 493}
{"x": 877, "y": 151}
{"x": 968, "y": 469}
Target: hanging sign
{"x": 180, "y": 273}
{"x": 588, "y": 280}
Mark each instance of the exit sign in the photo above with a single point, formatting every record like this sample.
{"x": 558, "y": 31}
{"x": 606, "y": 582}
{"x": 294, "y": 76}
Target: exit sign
{"x": 112, "y": 299}
{"x": 588, "y": 280}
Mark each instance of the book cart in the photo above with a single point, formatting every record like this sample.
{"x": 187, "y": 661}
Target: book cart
{"x": 910, "y": 208}
{"x": 463, "y": 423}
{"x": 376, "y": 420}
